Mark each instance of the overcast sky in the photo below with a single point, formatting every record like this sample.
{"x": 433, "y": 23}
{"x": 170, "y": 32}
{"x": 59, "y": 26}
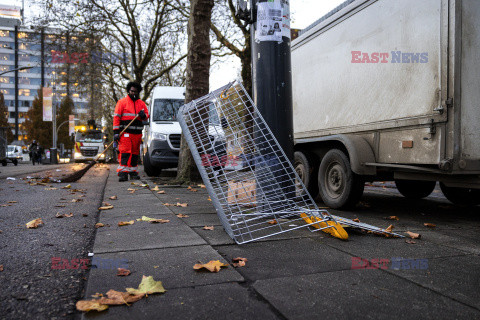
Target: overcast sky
{"x": 303, "y": 13}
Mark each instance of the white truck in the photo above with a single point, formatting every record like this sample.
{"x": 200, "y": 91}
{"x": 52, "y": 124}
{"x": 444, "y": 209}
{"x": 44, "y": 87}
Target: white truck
{"x": 161, "y": 137}
{"x": 389, "y": 90}
{"x": 89, "y": 143}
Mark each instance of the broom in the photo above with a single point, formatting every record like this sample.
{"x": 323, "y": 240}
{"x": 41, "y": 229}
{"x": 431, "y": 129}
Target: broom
{"x": 77, "y": 175}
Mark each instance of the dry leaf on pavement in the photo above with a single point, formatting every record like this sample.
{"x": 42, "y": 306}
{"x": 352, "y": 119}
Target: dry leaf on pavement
{"x": 105, "y": 208}
{"x": 113, "y": 198}
{"x": 89, "y": 305}
{"x": 183, "y": 205}
{"x": 272, "y": 221}
{"x": 99, "y": 225}
{"x": 156, "y": 188}
{"x": 122, "y": 272}
{"x": 159, "y": 221}
{"x": 168, "y": 204}
{"x": 161, "y": 192}
{"x": 356, "y": 220}
{"x": 181, "y": 215}
{"x": 148, "y": 286}
{"x": 201, "y": 186}
{"x": 414, "y": 235}
{"x": 126, "y": 223}
{"x": 77, "y": 200}
{"x": 239, "y": 262}
{"x": 119, "y": 298}
{"x": 392, "y": 218}
{"x": 409, "y": 241}
{"x": 209, "y": 199}
{"x": 208, "y": 228}
{"x": 1, "y": 267}
{"x": 34, "y": 223}
{"x": 11, "y": 201}
{"x": 429, "y": 225}
{"x": 68, "y": 186}
{"x": 212, "y": 266}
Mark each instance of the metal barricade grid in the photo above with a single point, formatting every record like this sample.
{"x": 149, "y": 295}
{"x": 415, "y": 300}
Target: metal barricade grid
{"x": 249, "y": 178}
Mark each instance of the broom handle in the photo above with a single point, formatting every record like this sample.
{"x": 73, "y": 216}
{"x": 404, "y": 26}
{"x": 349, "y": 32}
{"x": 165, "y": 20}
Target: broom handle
{"x": 128, "y": 125}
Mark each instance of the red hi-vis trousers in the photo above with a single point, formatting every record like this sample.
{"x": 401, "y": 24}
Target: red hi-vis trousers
{"x": 129, "y": 152}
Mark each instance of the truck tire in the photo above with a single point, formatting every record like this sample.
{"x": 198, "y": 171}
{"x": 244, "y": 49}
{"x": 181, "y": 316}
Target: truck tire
{"x": 415, "y": 189}
{"x": 308, "y": 173}
{"x": 150, "y": 170}
{"x": 340, "y": 188}
{"x": 461, "y": 196}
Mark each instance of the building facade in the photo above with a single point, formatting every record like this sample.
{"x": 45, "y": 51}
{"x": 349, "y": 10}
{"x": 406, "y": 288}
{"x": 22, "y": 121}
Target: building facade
{"x": 27, "y": 62}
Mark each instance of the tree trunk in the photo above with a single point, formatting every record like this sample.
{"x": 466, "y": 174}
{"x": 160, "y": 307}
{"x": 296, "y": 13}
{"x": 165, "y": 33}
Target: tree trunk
{"x": 197, "y": 75}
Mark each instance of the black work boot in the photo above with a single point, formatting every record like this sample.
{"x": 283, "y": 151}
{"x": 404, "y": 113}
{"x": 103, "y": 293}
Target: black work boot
{"x": 134, "y": 176}
{"x": 122, "y": 176}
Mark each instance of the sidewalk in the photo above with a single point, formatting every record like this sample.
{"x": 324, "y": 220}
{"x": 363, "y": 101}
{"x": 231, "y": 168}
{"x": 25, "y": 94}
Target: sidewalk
{"x": 297, "y": 275}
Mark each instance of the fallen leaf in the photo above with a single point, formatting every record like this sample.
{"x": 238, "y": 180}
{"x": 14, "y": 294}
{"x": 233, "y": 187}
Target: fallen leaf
{"x": 106, "y": 204}
{"x": 131, "y": 189}
{"x": 414, "y": 235}
{"x": 148, "y": 286}
{"x": 99, "y": 225}
{"x": 89, "y": 305}
{"x": 391, "y": 218}
{"x": 159, "y": 221}
{"x": 97, "y": 295}
{"x": 429, "y": 225}
{"x": 168, "y": 204}
{"x": 125, "y": 223}
{"x": 192, "y": 189}
{"x": 50, "y": 188}
{"x": 1, "y": 267}
{"x": 11, "y": 201}
{"x": 77, "y": 200}
{"x": 68, "y": 186}
{"x": 239, "y": 262}
{"x": 60, "y": 206}
{"x": 161, "y": 192}
{"x": 208, "y": 228}
{"x": 155, "y": 189}
{"x": 390, "y": 228}
{"x": 34, "y": 223}
{"x": 410, "y": 241}
{"x": 181, "y": 215}
{"x": 201, "y": 186}
{"x": 105, "y": 208}
{"x": 144, "y": 218}
{"x": 119, "y": 298}
{"x": 183, "y": 205}
{"x": 122, "y": 272}
{"x": 212, "y": 266}
{"x": 272, "y": 221}
{"x": 209, "y": 199}
{"x": 85, "y": 214}
{"x": 356, "y": 220}
{"x": 113, "y": 198}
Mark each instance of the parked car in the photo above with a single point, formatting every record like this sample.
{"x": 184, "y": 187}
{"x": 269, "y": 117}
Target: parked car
{"x": 14, "y": 154}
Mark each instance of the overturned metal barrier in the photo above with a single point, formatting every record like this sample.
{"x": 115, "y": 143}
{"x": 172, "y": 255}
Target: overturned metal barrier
{"x": 248, "y": 176}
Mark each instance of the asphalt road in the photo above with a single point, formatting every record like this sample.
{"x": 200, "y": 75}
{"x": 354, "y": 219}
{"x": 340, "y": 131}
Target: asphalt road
{"x": 31, "y": 285}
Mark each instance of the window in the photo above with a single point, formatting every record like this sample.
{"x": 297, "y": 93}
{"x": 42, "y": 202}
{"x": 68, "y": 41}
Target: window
{"x": 7, "y": 45}
{"x": 24, "y": 80}
{"x": 4, "y": 57}
{"x": 4, "y": 80}
{"x": 22, "y": 35}
{"x": 23, "y": 57}
{"x": 4, "y": 33}
{"x": 166, "y": 109}
{"x": 24, "y": 92}
{"x": 6, "y": 91}
{"x": 4, "y": 68}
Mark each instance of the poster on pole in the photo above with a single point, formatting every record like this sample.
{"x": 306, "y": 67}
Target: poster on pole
{"x": 269, "y": 21}
{"x": 47, "y": 104}
{"x": 71, "y": 125}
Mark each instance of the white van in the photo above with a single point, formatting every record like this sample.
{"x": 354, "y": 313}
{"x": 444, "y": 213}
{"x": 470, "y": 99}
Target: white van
{"x": 161, "y": 138}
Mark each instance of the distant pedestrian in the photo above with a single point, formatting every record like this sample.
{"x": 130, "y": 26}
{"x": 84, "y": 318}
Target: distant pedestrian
{"x": 40, "y": 154}
{"x": 32, "y": 151}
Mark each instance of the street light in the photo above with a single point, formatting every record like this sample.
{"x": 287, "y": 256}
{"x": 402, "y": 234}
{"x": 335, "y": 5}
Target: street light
{"x": 17, "y": 69}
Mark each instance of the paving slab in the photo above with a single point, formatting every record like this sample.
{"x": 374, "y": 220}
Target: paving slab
{"x": 466, "y": 241}
{"x": 194, "y": 209}
{"x": 215, "y": 237}
{"x": 224, "y": 301}
{"x": 273, "y": 259}
{"x": 202, "y": 219}
{"x": 172, "y": 266}
{"x": 371, "y": 247}
{"x": 122, "y": 214}
{"x": 145, "y": 235}
{"x": 455, "y": 277}
{"x": 353, "y": 294}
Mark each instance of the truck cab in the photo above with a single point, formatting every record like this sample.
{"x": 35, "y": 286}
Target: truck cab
{"x": 161, "y": 137}
{"x": 89, "y": 143}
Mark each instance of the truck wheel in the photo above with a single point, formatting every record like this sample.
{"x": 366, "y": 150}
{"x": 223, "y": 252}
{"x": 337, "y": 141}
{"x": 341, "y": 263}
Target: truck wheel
{"x": 415, "y": 189}
{"x": 15, "y": 162}
{"x": 340, "y": 188}
{"x": 150, "y": 170}
{"x": 307, "y": 173}
{"x": 461, "y": 196}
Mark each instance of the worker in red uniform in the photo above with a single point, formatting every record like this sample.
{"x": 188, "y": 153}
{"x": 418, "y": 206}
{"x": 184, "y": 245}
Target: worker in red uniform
{"x": 129, "y": 142}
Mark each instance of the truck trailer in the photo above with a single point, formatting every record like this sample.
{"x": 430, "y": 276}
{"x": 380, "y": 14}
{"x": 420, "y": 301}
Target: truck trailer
{"x": 388, "y": 90}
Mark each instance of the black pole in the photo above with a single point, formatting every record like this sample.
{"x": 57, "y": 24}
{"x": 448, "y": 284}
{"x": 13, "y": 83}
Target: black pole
{"x": 42, "y": 61}
{"x": 272, "y": 78}
{"x": 16, "y": 82}
{"x": 272, "y": 86}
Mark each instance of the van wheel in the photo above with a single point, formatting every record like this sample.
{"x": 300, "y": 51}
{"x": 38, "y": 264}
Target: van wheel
{"x": 15, "y": 162}
{"x": 308, "y": 174}
{"x": 340, "y": 188}
{"x": 150, "y": 170}
{"x": 415, "y": 189}
{"x": 461, "y": 196}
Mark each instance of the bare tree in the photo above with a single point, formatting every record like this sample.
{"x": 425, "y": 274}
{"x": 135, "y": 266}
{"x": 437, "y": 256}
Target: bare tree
{"x": 198, "y": 70}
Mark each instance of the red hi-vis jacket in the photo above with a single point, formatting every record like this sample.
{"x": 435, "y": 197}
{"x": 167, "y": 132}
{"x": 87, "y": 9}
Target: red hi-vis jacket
{"x": 125, "y": 111}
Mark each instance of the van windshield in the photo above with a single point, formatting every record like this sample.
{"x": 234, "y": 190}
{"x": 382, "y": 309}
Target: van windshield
{"x": 166, "y": 109}
{"x": 89, "y": 136}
